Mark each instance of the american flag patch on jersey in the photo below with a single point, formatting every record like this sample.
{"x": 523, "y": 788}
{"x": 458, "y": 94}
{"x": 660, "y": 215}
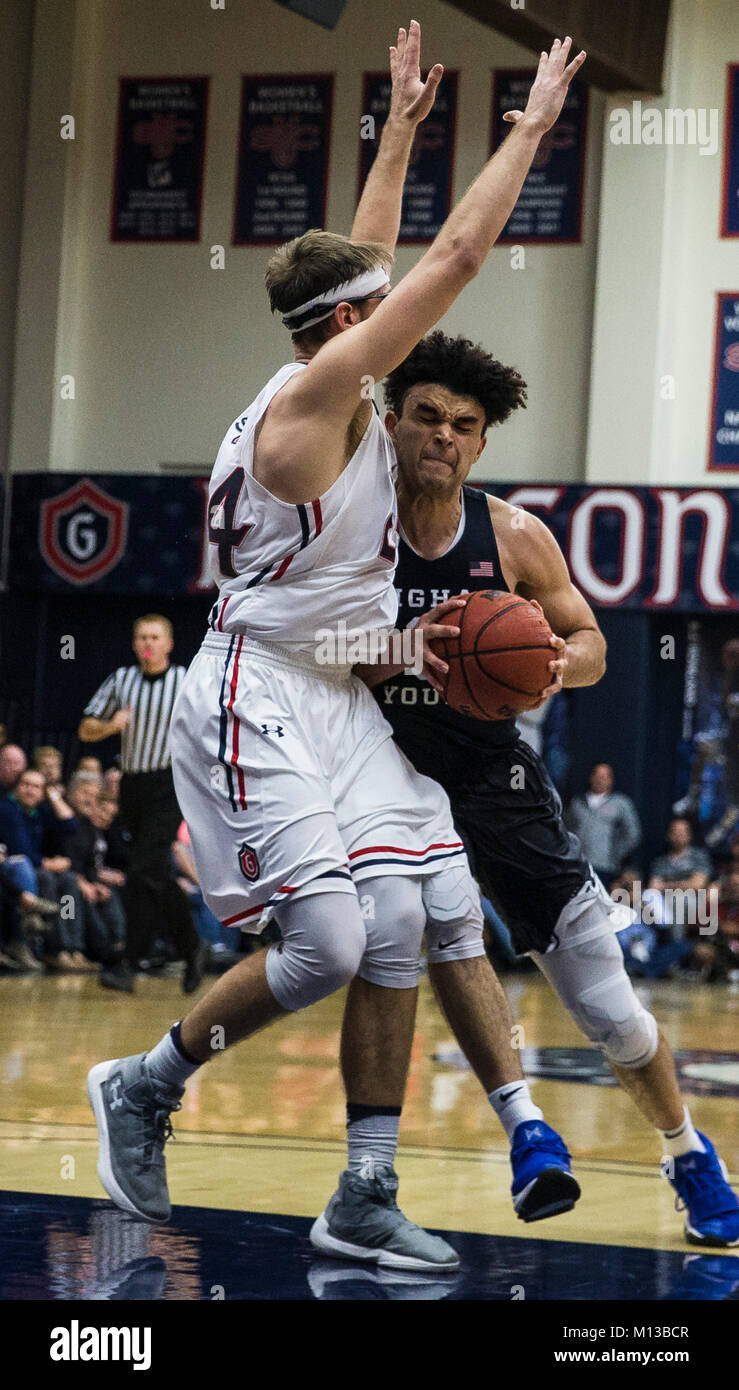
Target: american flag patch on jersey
{"x": 484, "y": 570}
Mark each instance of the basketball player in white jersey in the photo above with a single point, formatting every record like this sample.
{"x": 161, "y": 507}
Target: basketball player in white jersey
{"x": 298, "y": 802}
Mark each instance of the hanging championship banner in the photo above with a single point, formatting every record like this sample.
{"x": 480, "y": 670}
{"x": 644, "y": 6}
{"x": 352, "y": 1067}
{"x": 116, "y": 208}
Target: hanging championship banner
{"x": 282, "y": 179}
{"x": 730, "y": 193}
{"x": 549, "y": 207}
{"x": 427, "y": 196}
{"x": 723, "y": 445}
{"x": 158, "y": 185}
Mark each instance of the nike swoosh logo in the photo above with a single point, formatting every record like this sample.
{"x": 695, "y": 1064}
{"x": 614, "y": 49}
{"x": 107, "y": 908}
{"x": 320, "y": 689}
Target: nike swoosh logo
{"x": 443, "y": 944}
{"x": 508, "y": 1095}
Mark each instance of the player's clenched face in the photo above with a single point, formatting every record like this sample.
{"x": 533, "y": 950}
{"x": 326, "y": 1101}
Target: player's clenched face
{"x": 437, "y": 439}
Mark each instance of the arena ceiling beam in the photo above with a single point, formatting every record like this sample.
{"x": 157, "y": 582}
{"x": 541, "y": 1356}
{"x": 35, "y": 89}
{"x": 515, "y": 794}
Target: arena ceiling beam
{"x": 625, "y": 42}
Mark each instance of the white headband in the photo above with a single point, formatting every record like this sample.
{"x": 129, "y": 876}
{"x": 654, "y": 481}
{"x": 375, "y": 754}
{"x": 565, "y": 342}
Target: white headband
{"x": 324, "y": 304}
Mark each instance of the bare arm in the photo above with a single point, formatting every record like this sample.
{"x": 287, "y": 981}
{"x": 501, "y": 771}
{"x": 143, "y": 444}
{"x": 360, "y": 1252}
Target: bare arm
{"x": 437, "y": 622}
{"x": 317, "y": 405}
{"x": 58, "y": 805}
{"x": 580, "y": 647}
{"x": 92, "y": 730}
{"x": 378, "y": 214}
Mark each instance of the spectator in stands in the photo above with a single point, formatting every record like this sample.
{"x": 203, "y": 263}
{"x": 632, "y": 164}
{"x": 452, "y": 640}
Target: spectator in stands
{"x": 222, "y": 940}
{"x": 112, "y": 781}
{"x": 716, "y": 953}
{"x": 31, "y": 827}
{"x": 48, "y": 761}
{"x": 102, "y": 911}
{"x": 90, "y": 765}
{"x": 106, "y": 820}
{"x": 13, "y": 762}
{"x": 13, "y": 958}
{"x": 678, "y": 876}
{"x": 646, "y": 940}
{"x": 117, "y": 837}
{"x": 606, "y": 823}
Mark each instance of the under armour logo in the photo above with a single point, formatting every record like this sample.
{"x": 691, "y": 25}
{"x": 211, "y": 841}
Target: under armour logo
{"x": 367, "y": 1169}
{"x": 534, "y": 1132}
{"x": 116, "y": 1098}
{"x": 273, "y": 729}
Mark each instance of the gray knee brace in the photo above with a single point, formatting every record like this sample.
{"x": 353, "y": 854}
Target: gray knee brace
{"x": 323, "y": 941}
{"x": 453, "y": 915}
{"x": 587, "y": 971}
{"x": 394, "y": 919}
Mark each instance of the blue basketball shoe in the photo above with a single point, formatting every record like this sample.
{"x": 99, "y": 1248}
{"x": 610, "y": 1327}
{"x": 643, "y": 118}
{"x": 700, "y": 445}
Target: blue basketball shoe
{"x": 700, "y": 1181}
{"x": 543, "y": 1184}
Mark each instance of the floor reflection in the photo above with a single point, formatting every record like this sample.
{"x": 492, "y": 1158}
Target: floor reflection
{"x": 60, "y": 1248}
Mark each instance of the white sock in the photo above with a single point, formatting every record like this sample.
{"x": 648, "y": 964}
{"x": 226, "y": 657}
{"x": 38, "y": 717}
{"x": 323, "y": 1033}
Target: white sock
{"x": 684, "y": 1140}
{"x": 513, "y": 1105}
{"x": 169, "y": 1067}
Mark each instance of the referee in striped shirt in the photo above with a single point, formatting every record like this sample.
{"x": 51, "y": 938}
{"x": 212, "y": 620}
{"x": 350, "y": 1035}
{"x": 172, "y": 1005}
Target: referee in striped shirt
{"x": 137, "y": 702}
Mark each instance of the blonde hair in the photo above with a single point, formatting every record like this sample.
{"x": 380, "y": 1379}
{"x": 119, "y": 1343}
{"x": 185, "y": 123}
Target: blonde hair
{"x": 44, "y": 750}
{"x": 315, "y": 263}
{"x": 154, "y": 618}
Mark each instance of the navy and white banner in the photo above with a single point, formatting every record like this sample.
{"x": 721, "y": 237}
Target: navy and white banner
{"x": 627, "y": 547}
{"x": 427, "y": 195}
{"x": 723, "y": 445}
{"x": 282, "y": 179}
{"x": 158, "y": 185}
{"x": 730, "y": 186}
{"x": 549, "y": 207}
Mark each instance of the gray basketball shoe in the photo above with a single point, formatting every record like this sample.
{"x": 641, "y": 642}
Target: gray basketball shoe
{"x": 363, "y": 1222}
{"x": 133, "y": 1127}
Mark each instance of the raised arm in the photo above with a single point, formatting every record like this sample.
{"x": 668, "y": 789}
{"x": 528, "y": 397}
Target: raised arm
{"x": 378, "y": 214}
{"x": 332, "y": 385}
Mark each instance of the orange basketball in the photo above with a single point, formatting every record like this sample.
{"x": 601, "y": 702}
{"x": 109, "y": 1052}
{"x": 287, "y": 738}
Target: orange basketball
{"x": 499, "y": 664}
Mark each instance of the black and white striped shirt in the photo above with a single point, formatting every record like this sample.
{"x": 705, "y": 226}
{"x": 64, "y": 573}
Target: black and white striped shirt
{"x": 145, "y": 740}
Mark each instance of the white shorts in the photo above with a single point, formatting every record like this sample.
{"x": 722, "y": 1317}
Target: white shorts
{"x": 290, "y": 783}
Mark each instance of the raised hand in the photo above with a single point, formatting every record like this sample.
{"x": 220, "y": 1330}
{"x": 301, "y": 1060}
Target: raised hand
{"x": 553, "y": 77}
{"x": 411, "y": 99}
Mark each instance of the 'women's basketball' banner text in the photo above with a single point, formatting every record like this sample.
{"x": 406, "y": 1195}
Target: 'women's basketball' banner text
{"x": 723, "y": 445}
{"x": 158, "y": 183}
{"x": 427, "y": 195}
{"x": 549, "y": 208}
{"x": 283, "y": 158}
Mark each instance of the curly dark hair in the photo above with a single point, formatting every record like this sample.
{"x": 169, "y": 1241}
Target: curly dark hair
{"x": 464, "y": 368}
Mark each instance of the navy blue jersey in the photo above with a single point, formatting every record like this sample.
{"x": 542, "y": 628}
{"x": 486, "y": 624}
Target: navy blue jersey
{"x": 438, "y": 741}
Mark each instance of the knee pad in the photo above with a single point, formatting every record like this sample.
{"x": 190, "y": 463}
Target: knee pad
{"x": 592, "y": 983}
{"x": 454, "y": 920}
{"x": 591, "y": 913}
{"x": 394, "y": 918}
{"x": 323, "y": 941}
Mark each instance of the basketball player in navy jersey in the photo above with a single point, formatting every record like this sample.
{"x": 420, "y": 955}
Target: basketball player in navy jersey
{"x": 294, "y": 792}
{"x": 453, "y": 539}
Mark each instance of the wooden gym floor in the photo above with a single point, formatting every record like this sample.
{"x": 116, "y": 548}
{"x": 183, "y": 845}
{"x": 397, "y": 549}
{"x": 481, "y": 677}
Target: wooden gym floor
{"x": 261, "y": 1135}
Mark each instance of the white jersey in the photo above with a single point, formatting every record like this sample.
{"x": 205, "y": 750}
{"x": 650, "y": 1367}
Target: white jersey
{"x": 286, "y": 570}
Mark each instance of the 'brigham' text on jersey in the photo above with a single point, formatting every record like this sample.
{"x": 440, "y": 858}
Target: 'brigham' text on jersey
{"x": 437, "y": 740}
